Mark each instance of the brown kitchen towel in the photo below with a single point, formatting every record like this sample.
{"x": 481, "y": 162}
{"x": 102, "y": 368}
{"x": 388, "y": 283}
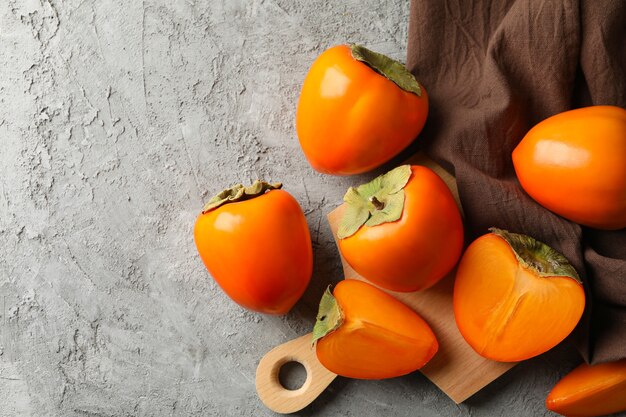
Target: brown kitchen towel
{"x": 495, "y": 68}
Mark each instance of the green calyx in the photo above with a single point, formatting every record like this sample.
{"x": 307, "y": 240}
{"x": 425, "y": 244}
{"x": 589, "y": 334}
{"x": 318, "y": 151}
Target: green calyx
{"x": 538, "y": 256}
{"x": 388, "y": 68}
{"x": 329, "y": 316}
{"x": 379, "y": 201}
{"x": 239, "y": 193}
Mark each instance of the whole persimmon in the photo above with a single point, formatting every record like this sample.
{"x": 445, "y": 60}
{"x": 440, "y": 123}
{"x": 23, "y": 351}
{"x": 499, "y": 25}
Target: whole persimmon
{"x": 357, "y": 110}
{"x": 590, "y": 390}
{"x": 255, "y": 243}
{"x": 574, "y": 164}
{"x": 363, "y": 332}
{"x": 515, "y": 297}
{"x": 403, "y": 230}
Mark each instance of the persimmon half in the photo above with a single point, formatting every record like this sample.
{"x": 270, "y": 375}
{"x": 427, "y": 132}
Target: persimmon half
{"x": 255, "y": 243}
{"x": 574, "y": 164}
{"x": 515, "y": 297}
{"x": 590, "y": 390}
{"x": 403, "y": 230}
{"x": 357, "y": 110}
{"x": 362, "y": 332}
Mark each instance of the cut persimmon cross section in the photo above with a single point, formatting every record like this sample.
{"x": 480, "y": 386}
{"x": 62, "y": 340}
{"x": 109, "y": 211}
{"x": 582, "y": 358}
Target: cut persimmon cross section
{"x": 515, "y": 297}
{"x": 363, "y": 332}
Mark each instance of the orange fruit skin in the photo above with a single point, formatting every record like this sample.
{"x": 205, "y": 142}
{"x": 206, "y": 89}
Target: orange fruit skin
{"x": 505, "y": 311}
{"x": 258, "y": 251}
{"x": 590, "y": 390}
{"x": 420, "y": 248}
{"x": 350, "y": 119}
{"x": 574, "y": 164}
{"x": 380, "y": 337}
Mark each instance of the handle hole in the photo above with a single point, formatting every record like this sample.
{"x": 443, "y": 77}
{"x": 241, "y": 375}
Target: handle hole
{"x": 292, "y": 375}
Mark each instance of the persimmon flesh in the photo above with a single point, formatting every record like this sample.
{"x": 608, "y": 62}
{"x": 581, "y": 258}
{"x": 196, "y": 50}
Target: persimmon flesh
{"x": 371, "y": 335}
{"x": 590, "y": 390}
{"x": 513, "y": 304}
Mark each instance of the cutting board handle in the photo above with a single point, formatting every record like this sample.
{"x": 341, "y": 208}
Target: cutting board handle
{"x": 280, "y": 399}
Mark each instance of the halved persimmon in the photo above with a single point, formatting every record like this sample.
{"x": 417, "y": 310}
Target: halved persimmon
{"x": 363, "y": 332}
{"x": 515, "y": 297}
{"x": 590, "y": 390}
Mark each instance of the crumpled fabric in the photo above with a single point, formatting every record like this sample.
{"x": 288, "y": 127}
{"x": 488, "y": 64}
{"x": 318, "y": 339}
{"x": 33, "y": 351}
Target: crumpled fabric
{"x": 495, "y": 68}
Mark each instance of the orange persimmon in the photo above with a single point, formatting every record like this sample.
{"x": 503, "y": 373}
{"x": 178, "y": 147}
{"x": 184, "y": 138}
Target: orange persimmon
{"x": 357, "y": 110}
{"x": 403, "y": 230}
{"x": 574, "y": 164}
{"x": 363, "y": 332}
{"x": 515, "y": 297}
{"x": 590, "y": 390}
{"x": 255, "y": 243}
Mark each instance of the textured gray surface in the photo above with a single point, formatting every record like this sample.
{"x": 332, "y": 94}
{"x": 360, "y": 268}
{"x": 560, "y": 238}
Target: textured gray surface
{"x": 117, "y": 119}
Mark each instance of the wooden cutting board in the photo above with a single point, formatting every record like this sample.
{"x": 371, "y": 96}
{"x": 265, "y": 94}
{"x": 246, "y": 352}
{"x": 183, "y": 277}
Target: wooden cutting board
{"x": 456, "y": 368}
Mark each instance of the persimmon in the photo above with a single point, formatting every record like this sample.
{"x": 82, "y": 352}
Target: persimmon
{"x": 574, "y": 164}
{"x": 515, "y": 297}
{"x": 363, "y": 332}
{"x": 590, "y": 390}
{"x": 403, "y": 230}
{"x": 357, "y": 110}
{"x": 255, "y": 243}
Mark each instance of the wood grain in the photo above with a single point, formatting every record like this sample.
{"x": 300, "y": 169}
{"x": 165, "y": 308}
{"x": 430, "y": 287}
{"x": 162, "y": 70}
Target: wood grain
{"x": 456, "y": 368}
{"x": 270, "y": 390}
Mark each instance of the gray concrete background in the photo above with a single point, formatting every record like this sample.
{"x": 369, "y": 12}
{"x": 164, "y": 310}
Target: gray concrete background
{"x": 118, "y": 118}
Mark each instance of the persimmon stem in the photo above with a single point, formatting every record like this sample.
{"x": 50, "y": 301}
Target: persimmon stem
{"x": 389, "y": 68}
{"x": 239, "y": 192}
{"x": 537, "y": 256}
{"x": 329, "y": 316}
{"x": 377, "y": 203}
